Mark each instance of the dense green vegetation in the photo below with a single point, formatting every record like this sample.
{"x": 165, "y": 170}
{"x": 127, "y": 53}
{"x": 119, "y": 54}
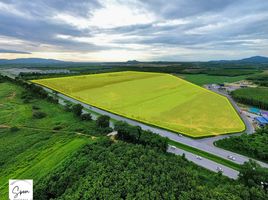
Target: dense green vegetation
{"x": 252, "y": 96}
{"x": 134, "y": 134}
{"x": 252, "y": 175}
{"x": 66, "y": 162}
{"x": 222, "y": 70}
{"x": 203, "y": 79}
{"x": 107, "y": 170}
{"x": 30, "y": 146}
{"x": 103, "y": 121}
{"x": 231, "y": 72}
{"x": 260, "y": 79}
{"x": 254, "y": 145}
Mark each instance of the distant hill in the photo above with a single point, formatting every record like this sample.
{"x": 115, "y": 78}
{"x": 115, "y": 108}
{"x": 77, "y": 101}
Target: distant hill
{"x": 132, "y": 62}
{"x": 30, "y": 61}
{"x": 254, "y": 59}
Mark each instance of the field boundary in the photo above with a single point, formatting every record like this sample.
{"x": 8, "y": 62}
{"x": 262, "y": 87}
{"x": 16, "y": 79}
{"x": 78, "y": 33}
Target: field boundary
{"x": 145, "y": 121}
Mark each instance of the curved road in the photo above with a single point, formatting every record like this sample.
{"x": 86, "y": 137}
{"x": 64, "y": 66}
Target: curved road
{"x": 199, "y": 144}
{"x": 206, "y": 163}
{"x": 249, "y": 127}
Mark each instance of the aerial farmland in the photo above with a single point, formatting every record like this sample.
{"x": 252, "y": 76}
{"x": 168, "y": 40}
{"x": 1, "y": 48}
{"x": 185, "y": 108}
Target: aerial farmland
{"x": 158, "y": 99}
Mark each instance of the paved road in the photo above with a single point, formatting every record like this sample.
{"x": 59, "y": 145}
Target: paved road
{"x": 206, "y": 163}
{"x": 173, "y": 136}
{"x": 249, "y": 126}
{"x": 240, "y": 159}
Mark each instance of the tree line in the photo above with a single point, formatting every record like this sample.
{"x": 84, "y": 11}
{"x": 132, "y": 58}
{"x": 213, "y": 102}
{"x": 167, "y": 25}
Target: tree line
{"x": 252, "y": 96}
{"x": 120, "y": 170}
{"x": 253, "y": 145}
{"x": 135, "y": 135}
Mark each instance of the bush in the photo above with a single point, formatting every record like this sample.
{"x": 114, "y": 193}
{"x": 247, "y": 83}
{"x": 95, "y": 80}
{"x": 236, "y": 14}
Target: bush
{"x": 39, "y": 115}
{"x": 14, "y": 129}
{"x": 86, "y": 117}
{"x": 57, "y": 128}
{"x": 67, "y": 106}
{"x": 77, "y": 109}
{"x": 52, "y": 99}
{"x": 136, "y": 135}
{"x": 26, "y": 97}
{"x": 252, "y": 174}
{"x": 34, "y": 107}
{"x": 103, "y": 121}
{"x": 104, "y": 131}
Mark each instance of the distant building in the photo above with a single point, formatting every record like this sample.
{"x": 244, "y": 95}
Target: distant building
{"x": 261, "y": 121}
{"x": 264, "y": 113}
{"x": 256, "y": 111}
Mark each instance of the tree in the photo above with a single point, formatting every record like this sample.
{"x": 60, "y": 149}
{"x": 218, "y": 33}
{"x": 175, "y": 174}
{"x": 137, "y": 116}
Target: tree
{"x": 252, "y": 174}
{"x": 103, "y": 121}
{"x": 86, "y": 117}
{"x": 77, "y": 109}
{"x": 67, "y": 106}
{"x": 134, "y": 134}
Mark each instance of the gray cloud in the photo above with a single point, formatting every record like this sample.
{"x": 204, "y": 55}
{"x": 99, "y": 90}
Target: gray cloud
{"x": 186, "y": 8}
{"x": 197, "y": 26}
{"x": 13, "y": 51}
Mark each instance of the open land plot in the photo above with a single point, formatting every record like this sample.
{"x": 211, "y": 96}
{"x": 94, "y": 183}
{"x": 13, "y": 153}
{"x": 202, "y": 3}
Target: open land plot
{"x": 158, "y": 99}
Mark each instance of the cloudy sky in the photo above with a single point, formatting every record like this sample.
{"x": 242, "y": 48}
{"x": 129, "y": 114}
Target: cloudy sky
{"x": 121, "y": 30}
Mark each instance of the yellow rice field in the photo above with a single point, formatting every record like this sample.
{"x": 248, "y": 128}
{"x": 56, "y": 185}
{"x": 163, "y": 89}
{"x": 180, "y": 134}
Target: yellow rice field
{"x": 158, "y": 99}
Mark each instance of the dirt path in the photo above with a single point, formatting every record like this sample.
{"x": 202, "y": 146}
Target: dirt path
{"x": 4, "y": 126}
{"x": 57, "y": 131}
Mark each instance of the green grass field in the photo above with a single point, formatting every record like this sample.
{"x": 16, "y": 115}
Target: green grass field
{"x": 252, "y": 96}
{"x": 203, "y": 79}
{"x": 34, "y": 149}
{"x": 158, "y": 99}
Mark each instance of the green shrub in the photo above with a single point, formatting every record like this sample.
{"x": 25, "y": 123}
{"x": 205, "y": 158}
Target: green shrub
{"x": 134, "y": 134}
{"x": 39, "y": 114}
{"x": 86, "y": 117}
{"x": 77, "y": 109}
{"x": 67, "y": 106}
{"x": 57, "y": 128}
{"x": 103, "y": 121}
{"x": 104, "y": 131}
{"x": 14, "y": 129}
{"x": 34, "y": 107}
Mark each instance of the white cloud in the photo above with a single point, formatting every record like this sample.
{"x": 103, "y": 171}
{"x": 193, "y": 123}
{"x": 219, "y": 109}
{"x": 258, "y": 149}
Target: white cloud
{"x": 174, "y": 22}
{"x": 110, "y": 30}
{"x": 107, "y": 40}
{"x": 115, "y": 14}
{"x": 112, "y": 14}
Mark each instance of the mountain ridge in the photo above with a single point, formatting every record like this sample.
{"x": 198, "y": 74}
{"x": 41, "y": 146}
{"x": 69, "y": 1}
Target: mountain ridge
{"x": 253, "y": 59}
